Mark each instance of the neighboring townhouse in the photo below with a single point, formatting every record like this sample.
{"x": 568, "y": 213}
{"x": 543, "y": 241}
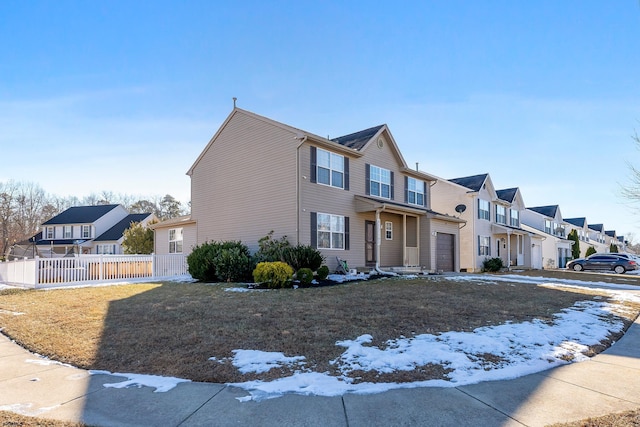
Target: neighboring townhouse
{"x": 87, "y": 230}
{"x": 598, "y": 238}
{"x": 351, "y": 197}
{"x": 493, "y": 221}
{"x": 547, "y": 222}
{"x": 580, "y": 225}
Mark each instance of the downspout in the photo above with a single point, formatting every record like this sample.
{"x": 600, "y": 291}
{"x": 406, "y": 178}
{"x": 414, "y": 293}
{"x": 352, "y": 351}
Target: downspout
{"x": 298, "y": 178}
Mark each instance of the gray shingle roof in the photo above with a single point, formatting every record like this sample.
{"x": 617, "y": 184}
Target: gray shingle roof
{"x": 116, "y": 232}
{"x": 578, "y": 222}
{"x": 81, "y": 214}
{"x": 508, "y": 194}
{"x": 359, "y": 139}
{"x": 549, "y": 211}
{"x": 596, "y": 227}
{"x": 473, "y": 183}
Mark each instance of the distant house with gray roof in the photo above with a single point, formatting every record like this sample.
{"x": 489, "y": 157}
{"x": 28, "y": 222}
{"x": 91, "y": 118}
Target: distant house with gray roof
{"x": 87, "y": 230}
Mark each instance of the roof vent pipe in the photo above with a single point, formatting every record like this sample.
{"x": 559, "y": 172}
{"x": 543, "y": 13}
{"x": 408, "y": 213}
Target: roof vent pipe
{"x": 416, "y": 166}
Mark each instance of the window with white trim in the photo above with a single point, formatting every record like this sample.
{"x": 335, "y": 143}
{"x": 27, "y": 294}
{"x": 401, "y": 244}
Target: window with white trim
{"x": 484, "y": 245}
{"x": 380, "y": 182}
{"x": 330, "y": 168}
{"x": 67, "y": 232}
{"x": 501, "y": 214}
{"x": 86, "y": 231}
{"x": 388, "y": 230}
{"x": 515, "y": 218}
{"x": 484, "y": 209}
{"x": 415, "y": 191}
{"x": 175, "y": 241}
{"x": 106, "y": 249}
{"x": 50, "y": 233}
{"x": 330, "y": 231}
{"x": 548, "y": 226}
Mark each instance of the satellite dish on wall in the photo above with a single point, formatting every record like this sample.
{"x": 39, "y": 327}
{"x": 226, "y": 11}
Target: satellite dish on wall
{"x": 461, "y": 208}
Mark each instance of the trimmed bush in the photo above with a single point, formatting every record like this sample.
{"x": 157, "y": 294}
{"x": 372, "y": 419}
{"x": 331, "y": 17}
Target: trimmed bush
{"x": 590, "y": 251}
{"x": 323, "y": 272}
{"x": 305, "y": 276}
{"x": 270, "y": 249}
{"x": 302, "y": 256}
{"x": 492, "y": 264}
{"x": 220, "y": 261}
{"x": 274, "y": 274}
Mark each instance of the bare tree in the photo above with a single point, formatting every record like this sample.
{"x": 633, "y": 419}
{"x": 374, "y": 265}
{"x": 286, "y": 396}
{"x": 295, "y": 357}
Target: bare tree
{"x": 631, "y": 191}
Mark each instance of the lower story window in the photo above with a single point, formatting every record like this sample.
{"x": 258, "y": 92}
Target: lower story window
{"x": 330, "y": 231}
{"x": 175, "y": 241}
{"x": 484, "y": 245}
{"x": 106, "y": 249}
{"x": 388, "y": 230}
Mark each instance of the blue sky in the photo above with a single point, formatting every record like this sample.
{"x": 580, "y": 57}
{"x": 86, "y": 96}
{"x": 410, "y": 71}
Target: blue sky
{"x": 122, "y": 96}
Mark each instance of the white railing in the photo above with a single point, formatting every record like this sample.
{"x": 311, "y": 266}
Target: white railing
{"x": 84, "y": 269}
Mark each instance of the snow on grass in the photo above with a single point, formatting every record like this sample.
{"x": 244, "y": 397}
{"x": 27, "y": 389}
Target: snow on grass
{"x": 516, "y": 349}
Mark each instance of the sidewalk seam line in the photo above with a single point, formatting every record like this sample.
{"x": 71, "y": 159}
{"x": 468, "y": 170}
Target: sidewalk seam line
{"x": 491, "y": 406}
{"x": 201, "y": 406}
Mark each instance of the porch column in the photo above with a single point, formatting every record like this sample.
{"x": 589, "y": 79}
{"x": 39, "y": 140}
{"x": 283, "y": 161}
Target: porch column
{"x": 404, "y": 240}
{"x": 377, "y": 239}
{"x": 508, "y": 251}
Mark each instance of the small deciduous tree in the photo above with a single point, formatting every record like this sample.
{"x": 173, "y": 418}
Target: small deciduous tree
{"x": 138, "y": 239}
{"x": 575, "y": 248}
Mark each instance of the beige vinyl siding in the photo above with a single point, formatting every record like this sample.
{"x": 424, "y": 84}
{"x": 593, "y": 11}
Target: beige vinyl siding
{"x": 428, "y": 256}
{"x": 244, "y": 185}
{"x": 161, "y": 238}
{"x": 391, "y": 250}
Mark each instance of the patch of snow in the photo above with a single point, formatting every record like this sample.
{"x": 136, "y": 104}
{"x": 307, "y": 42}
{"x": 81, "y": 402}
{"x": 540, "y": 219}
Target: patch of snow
{"x": 161, "y": 384}
{"x": 341, "y": 278}
{"x": 262, "y": 361}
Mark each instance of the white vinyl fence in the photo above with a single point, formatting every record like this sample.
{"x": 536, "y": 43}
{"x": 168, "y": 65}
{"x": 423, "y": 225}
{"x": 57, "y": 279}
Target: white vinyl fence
{"x": 87, "y": 269}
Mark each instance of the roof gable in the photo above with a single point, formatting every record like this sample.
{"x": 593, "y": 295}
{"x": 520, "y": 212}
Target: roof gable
{"x": 578, "y": 222}
{"x": 358, "y": 140}
{"x": 508, "y": 195}
{"x": 596, "y": 227}
{"x": 117, "y": 231}
{"x": 549, "y": 211}
{"x": 473, "y": 183}
{"x": 81, "y": 215}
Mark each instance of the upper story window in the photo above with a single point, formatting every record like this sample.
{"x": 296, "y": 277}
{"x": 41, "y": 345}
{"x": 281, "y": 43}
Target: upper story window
{"x": 501, "y": 214}
{"x": 380, "y": 182}
{"x": 515, "y": 218}
{"x": 330, "y": 168}
{"x": 415, "y": 192}
{"x": 175, "y": 241}
{"x": 86, "y": 231}
{"x": 484, "y": 209}
{"x": 106, "y": 249}
{"x": 50, "y": 233}
{"x": 67, "y": 232}
{"x": 548, "y": 227}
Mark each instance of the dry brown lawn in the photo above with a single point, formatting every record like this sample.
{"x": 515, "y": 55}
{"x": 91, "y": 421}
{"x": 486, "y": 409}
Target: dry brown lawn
{"x": 175, "y": 328}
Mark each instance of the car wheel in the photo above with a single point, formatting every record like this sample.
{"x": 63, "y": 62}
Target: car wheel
{"x": 577, "y": 267}
{"x": 619, "y": 269}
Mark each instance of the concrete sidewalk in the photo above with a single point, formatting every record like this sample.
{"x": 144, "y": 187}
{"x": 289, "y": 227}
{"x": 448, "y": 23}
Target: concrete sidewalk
{"x": 610, "y": 382}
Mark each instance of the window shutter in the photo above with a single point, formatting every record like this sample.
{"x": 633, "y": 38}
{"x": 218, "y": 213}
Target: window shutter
{"x": 346, "y": 233}
{"x": 314, "y": 230}
{"x": 479, "y": 252}
{"x": 489, "y": 246}
{"x": 367, "y": 179}
{"x": 406, "y": 189}
{"x": 314, "y": 170}
{"x": 478, "y": 209}
{"x": 392, "y": 185}
{"x": 346, "y": 173}
{"x": 424, "y": 192}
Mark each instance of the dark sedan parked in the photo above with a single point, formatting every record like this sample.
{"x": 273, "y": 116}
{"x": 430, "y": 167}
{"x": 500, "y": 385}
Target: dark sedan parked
{"x": 603, "y": 262}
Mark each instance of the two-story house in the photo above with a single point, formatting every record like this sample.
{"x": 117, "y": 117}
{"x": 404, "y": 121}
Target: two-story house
{"x": 492, "y": 228}
{"x": 547, "y": 222}
{"x": 352, "y": 197}
{"x": 87, "y": 230}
